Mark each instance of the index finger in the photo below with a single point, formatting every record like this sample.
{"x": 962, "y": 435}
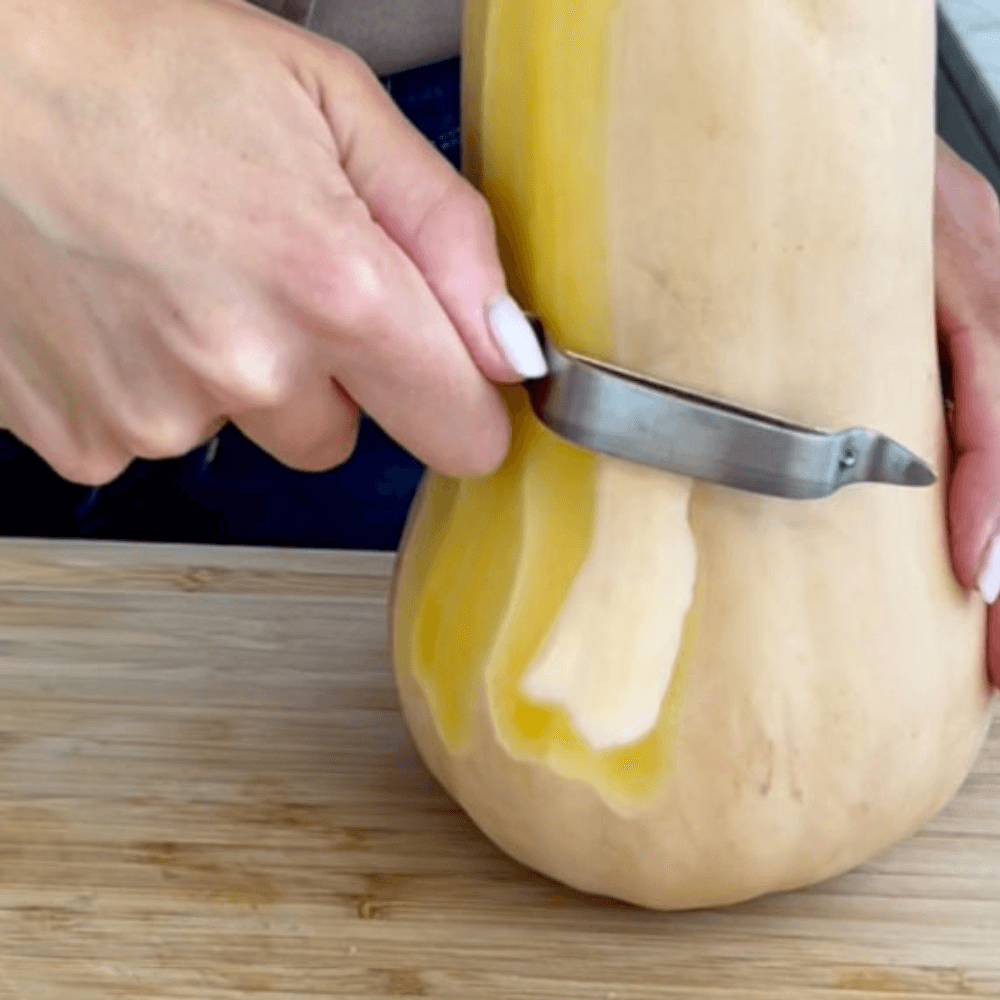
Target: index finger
{"x": 387, "y": 341}
{"x": 440, "y": 221}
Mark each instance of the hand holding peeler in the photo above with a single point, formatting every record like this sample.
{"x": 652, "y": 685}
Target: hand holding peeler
{"x": 609, "y": 410}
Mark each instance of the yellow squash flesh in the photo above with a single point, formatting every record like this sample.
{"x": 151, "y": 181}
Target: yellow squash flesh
{"x": 652, "y": 688}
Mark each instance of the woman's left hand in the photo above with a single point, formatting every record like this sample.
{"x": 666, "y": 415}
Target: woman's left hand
{"x": 967, "y": 284}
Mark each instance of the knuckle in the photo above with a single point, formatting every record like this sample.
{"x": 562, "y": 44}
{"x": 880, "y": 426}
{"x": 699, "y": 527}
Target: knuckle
{"x": 237, "y": 352}
{"x": 261, "y": 375}
{"x": 351, "y": 66}
{"x": 344, "y": 285}
{"x": 460, "y": 229}
{"x": 348, "y": 74}
{"x": 461, "y": 218}
{"x": 360, "y": 291}
{"x": 475, "y": 206}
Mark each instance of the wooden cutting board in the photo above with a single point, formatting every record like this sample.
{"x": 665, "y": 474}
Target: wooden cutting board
{"x": 206, "y": 791}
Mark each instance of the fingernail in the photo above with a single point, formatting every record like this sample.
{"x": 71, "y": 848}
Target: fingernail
{"x": 989, "y": 576}
{"x": 515, "y": 338}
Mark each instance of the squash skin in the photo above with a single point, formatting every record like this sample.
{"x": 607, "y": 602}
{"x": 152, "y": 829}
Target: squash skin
{"x": 834, "y": 694}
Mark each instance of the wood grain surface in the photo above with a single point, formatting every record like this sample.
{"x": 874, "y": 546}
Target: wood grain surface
{"x": 206, "y": 791}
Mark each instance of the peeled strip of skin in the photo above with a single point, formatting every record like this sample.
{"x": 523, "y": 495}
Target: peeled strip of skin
{"x": 738, "y": 198}
{"x": 612, "y": 683}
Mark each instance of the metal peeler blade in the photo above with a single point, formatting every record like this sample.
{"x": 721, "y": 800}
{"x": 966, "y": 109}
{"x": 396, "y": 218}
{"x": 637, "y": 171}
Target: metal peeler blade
{"x": 609, "y": 410}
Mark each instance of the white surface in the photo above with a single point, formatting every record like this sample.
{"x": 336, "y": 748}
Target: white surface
{"x": 978, "y": 25}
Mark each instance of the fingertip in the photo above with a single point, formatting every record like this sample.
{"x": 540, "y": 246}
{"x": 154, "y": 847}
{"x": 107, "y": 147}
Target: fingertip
{"x": 477, "y": 451}
{"x": 484, "y": 453}
{"x": 974, "y": 521}
{"x": 493, "y": 451}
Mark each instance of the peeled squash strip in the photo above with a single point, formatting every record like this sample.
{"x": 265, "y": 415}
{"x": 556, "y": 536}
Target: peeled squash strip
{"x": 612, "y": 682}
{"x": 656, "y": 689}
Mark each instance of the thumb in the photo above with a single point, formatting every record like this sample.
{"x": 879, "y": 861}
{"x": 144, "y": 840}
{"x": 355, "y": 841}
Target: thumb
{"x": 439, "y": 220}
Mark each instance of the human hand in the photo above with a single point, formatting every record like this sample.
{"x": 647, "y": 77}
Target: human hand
{"x": 207, "y": 214}
{"x": 967, "y": 281}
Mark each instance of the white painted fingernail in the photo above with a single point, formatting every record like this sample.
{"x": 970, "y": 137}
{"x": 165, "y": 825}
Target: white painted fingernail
{"x": 989, "y": 576}
{"x": 515, "y": 337}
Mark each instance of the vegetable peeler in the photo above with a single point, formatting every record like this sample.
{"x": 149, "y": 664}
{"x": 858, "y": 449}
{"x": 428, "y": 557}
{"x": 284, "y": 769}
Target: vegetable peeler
{"x": 607, "y": 409}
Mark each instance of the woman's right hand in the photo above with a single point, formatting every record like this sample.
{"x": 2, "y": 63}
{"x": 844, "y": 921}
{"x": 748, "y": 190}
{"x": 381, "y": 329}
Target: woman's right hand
{"x": 208, "y": 215}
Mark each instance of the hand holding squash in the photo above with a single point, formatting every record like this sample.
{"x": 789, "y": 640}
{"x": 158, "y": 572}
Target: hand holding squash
{"x": 208, "y": 214}
{"x": 967, "y": 262}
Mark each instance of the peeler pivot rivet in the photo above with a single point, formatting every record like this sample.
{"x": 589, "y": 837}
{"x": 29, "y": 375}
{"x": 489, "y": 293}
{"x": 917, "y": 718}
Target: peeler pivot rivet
{"x": 849, "y": 458}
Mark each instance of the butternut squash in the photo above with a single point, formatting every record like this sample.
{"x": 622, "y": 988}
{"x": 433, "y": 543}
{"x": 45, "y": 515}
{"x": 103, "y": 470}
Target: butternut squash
{"x": 652, "y": 688}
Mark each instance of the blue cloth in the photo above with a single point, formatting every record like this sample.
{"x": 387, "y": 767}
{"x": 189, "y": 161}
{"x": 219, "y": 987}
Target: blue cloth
{"x": 231, "y": 492}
